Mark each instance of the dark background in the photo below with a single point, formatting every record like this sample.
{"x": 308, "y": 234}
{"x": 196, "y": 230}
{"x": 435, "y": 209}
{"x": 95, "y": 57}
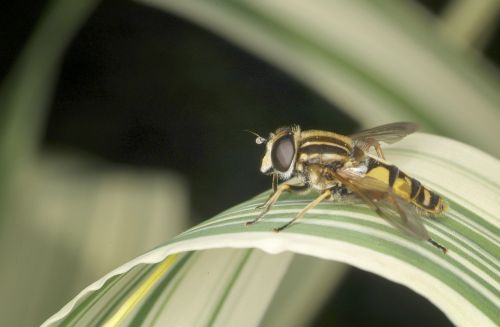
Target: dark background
{"x": 143, "y": 88}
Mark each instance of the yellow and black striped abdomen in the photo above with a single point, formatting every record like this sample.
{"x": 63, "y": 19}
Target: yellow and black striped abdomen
{"x": 406, "y": 187}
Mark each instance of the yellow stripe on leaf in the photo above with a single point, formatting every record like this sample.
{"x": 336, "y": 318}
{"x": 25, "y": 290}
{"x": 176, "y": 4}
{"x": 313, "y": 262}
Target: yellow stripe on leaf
{"x": 139, "y": 294}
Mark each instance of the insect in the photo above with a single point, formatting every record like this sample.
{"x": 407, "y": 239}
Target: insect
{"x": 338, "y": 166}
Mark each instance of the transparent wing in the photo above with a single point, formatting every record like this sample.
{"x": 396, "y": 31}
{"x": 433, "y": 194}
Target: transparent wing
{"x": 388, "y": 205}
{"x": 409, "y": 220}
{"x": 389, "y": 133}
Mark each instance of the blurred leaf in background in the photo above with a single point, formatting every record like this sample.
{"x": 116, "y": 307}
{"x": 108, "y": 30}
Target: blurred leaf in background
{"x": 66, "y": 218}
{"x": 120, "y": 122}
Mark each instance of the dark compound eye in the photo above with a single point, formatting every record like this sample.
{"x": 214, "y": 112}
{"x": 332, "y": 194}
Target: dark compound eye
{"x": 283, "y": 153}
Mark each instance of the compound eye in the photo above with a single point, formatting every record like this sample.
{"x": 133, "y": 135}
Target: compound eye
{"x": 283, "y": 153}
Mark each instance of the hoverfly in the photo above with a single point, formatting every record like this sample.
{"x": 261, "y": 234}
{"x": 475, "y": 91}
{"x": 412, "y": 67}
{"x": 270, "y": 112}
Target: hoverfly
{"x": 337, "y": 166}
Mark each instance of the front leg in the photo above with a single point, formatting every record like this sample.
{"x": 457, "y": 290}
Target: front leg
{"x": 275, "y": 182}
{"x": 325, "y": 195}
{"x": 274, "y": 197}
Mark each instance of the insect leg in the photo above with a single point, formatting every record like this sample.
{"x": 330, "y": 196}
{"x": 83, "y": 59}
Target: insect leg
{"x": 378, "y": 148}
{"x": 439, "y": 246}
{"x": 368, "y": 143}
{"x": 275, "y": 182}
{"x": 290, "y": 188}
{"x": 315, "y": 202}
{"x": 270, "y": 201}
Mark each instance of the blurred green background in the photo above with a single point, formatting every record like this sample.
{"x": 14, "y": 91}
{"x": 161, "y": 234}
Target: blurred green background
{"x": 141, "y": 137}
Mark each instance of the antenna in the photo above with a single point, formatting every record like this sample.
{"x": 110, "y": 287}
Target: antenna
{"x": 259, "y": 139}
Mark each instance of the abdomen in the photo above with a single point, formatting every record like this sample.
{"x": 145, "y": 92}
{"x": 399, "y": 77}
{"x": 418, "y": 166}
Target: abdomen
{"x": 406, "y": 187}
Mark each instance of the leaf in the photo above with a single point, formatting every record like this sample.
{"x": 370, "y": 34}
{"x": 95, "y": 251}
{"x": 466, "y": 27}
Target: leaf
{"x": 463, "y": 284}
{"x": 84, "y": 218}
{"x": 26, "y": 91}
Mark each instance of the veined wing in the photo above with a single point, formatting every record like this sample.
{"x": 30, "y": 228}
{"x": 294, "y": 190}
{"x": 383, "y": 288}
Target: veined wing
{"x": 388, "y": 205}
{"x": 389, "y": 133}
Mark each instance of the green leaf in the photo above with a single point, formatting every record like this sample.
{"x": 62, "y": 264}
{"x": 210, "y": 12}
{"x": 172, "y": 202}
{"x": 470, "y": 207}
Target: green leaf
{"x": 26, "y": 91}
{"x": 170, "y": 283}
